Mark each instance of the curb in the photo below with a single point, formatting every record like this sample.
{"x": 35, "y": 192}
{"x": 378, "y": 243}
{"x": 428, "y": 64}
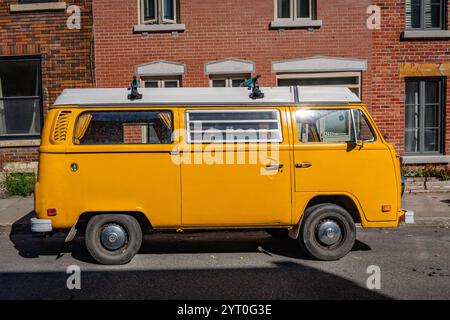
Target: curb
{"x": 25, "y": 228}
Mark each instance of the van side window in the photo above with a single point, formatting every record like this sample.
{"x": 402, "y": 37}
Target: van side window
{"x": 332, "y": 125}
{"x": 233, "y": 126}
{"x": 363, "y": 129}
{"x": 124, "y": 127}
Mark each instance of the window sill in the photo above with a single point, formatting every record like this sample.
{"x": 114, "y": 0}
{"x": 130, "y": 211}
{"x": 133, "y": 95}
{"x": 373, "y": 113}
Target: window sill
{"x": 285, "y": 24}
{"x": 425, "y": 159}
{"x": 45, "y": 6}
{"x": 173, "y": 27}
{"x": 20, "y": 143}
{"x": 427, "y": 34}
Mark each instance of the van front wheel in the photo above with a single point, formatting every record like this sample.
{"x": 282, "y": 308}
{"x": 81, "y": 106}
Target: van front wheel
{"x": 327, "y": 232}
{"x": 113, "y": 239}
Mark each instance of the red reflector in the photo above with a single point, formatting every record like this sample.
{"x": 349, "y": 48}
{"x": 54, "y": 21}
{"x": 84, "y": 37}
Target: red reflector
{"x": 51, "y": 212}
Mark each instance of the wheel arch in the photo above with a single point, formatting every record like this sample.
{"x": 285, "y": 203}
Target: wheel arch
{"x": 341, "y": 200}
{"x": 142, "y": 219}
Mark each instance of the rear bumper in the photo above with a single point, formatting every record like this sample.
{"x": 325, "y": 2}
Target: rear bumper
{"x": 41, "y": 225}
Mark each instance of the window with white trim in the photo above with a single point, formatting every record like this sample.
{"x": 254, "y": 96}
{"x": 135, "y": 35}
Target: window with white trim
{"x": 294, "y": 9}
{"x": 233, "y": 126}
{"x": 351, "y": 80}
{"x": 159, "y": 11}
{"x": 223, "y": 81}
{"x": 160, "y": 82}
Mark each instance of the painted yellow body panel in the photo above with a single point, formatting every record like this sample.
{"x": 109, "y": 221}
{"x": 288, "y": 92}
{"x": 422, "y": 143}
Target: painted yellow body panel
{"x": 174, "y": 193}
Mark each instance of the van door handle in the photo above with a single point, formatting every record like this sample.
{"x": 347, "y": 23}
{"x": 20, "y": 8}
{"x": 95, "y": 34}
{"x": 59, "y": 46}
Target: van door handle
{"x": 275, "y": 167}
{"x": 303, "y": 165}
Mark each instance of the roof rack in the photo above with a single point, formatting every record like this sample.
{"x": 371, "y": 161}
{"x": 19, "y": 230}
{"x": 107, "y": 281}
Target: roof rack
{"x": 287, "y": 96}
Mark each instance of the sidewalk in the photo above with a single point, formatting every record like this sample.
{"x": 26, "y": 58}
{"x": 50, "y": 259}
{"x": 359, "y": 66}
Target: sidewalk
{"x": 431, "y": 209}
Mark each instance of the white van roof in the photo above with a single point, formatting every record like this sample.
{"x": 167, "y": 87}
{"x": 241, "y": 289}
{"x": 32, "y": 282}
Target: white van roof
{"x": 206, "y": 96}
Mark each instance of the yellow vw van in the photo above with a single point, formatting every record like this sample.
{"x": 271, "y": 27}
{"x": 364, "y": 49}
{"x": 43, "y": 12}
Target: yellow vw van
{"x": 304, "y": 162}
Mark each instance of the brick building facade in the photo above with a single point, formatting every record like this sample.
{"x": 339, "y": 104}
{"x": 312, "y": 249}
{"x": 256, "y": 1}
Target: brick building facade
{"x": 39, "y": 57}
{"x": 400, "y": 69}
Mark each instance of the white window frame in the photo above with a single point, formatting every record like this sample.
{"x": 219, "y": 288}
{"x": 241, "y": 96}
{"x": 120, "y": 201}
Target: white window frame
{"x": 293, "y": 11}
{"x": 327, "y": 75}
{"x": 228, "y": 79}
{"x": 161, "y": 81}
{"x": 277, "y": 120}
{"x": 159, "y": 12}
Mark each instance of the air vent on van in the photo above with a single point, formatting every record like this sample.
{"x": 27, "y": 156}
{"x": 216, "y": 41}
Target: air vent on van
{"x": 60, "y": 133}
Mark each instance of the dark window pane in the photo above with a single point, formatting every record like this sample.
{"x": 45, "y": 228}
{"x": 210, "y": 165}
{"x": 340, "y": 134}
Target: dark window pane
{"x": 433, "y": 14}
{"x": 169, "y": 10}
{"x": 431, "y": 142}
{"x": 422, "y": 116}
{"x": 318, "y": 81}
{"x": 21, "y": 116}
{"x": 149, "y": 10}
{"x": 171, "y": 84}
{"x": 412, "y": 14}
{"x": 284, "y": 9}
{"x": 19, "y": 78}
{"x": 412, "y": 141}
{"x": 151, "y": 84}
{"x": 303, "y": 10}
{"x": 124, "y": 127}
{"x": 432, "y": 116}
{"x": 412, "y": 92}
{"x": 412, "y": 117}
{"x": 432, "y": 92}
{"x": 219, "y": 83}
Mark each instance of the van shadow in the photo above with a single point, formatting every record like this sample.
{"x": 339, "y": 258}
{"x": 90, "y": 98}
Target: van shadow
{"x": 193, "y": 242}
{"x": 273, "y": 279}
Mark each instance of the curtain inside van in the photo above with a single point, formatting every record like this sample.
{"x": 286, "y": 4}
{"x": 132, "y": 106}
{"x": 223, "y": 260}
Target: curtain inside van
{"x": 82, "y": 126}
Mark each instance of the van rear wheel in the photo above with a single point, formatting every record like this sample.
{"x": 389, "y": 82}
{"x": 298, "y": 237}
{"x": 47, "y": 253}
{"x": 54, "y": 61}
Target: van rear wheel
{"x": 327, "y": 232}
{"x": 113, "y": 239}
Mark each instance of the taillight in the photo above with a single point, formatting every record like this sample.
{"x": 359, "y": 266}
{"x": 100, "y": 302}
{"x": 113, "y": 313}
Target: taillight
{"x": 51, "y": 212}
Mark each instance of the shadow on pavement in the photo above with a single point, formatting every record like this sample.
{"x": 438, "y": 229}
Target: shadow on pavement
{"x": 282, "y": 280}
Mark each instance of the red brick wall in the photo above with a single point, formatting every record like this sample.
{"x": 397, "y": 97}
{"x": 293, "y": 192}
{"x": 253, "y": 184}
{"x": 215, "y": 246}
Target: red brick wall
{"x": 65, "y": 54}
{"x": 385, "y": 91}
{"x": 217, "y": 29}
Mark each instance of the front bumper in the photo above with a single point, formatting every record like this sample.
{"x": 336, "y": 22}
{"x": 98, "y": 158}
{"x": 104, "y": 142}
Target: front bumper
{"x": 41, "y": 225}
{"x": 407, "y": 217}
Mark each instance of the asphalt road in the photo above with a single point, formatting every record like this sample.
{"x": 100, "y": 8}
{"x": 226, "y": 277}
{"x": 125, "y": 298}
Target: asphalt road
{"x": 414, "y": 264}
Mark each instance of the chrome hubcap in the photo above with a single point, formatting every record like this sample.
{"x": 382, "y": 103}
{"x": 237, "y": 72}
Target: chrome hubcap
{"x": 329, "y": 233}
{"x": 113, "y": 237}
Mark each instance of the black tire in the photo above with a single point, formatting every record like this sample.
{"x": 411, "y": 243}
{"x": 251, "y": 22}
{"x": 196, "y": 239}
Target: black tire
{"x": 278, "y": 233}
{"x": 315, "y": 218}
{"x": 122, "y": 255}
